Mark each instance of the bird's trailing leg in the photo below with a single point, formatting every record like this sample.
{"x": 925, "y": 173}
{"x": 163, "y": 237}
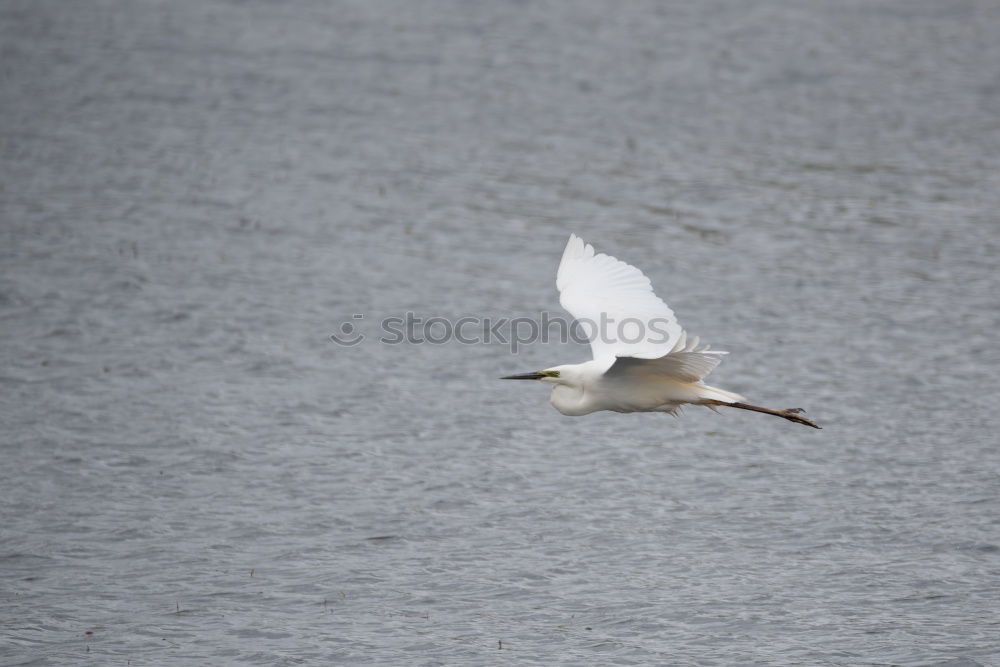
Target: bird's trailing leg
{"x": 791, "y": 414}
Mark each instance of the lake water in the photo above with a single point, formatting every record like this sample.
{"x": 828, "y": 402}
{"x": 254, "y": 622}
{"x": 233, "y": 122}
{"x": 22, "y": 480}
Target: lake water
{"x": 194, "y": 195}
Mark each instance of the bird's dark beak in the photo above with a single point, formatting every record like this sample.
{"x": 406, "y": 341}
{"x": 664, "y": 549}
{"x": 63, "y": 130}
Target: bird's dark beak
{"x": 524, "y": 376}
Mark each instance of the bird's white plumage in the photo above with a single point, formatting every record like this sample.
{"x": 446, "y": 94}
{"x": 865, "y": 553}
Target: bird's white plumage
{"x": 596, "y": 288}
{"x": 658, "y": 371}
{"x": 683, "y": 366}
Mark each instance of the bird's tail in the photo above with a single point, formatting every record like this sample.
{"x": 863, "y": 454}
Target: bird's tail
{"x": 708, "y": 393}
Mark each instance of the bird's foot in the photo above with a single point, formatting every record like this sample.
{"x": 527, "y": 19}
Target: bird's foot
{"x": 793, "y": 415}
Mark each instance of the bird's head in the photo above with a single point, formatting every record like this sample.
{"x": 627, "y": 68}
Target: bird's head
{"x": 554, "y": 375}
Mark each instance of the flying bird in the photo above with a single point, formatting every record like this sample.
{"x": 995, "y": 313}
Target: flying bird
{"x": 643, "y": 360}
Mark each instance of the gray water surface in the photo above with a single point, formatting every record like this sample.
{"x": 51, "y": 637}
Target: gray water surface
{"x": 195, "y": 194}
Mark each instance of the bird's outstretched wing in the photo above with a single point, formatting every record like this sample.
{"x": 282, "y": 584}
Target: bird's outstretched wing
{"x": 616, "y": 305}
{"x": 686, "y": 363}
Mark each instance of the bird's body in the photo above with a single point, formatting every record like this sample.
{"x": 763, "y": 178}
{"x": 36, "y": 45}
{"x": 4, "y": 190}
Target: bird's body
{"x": 645, "y": 362}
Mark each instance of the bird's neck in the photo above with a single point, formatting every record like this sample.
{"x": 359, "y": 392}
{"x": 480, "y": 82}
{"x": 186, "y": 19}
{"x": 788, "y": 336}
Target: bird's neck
{"x": 569, "y": 400}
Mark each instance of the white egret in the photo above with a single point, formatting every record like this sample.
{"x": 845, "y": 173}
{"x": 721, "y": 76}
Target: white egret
{"x": 651, "y": 365}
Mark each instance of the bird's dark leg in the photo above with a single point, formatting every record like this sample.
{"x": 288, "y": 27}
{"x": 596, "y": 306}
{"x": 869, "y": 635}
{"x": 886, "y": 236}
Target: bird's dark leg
{"x": 791, "y": 414}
